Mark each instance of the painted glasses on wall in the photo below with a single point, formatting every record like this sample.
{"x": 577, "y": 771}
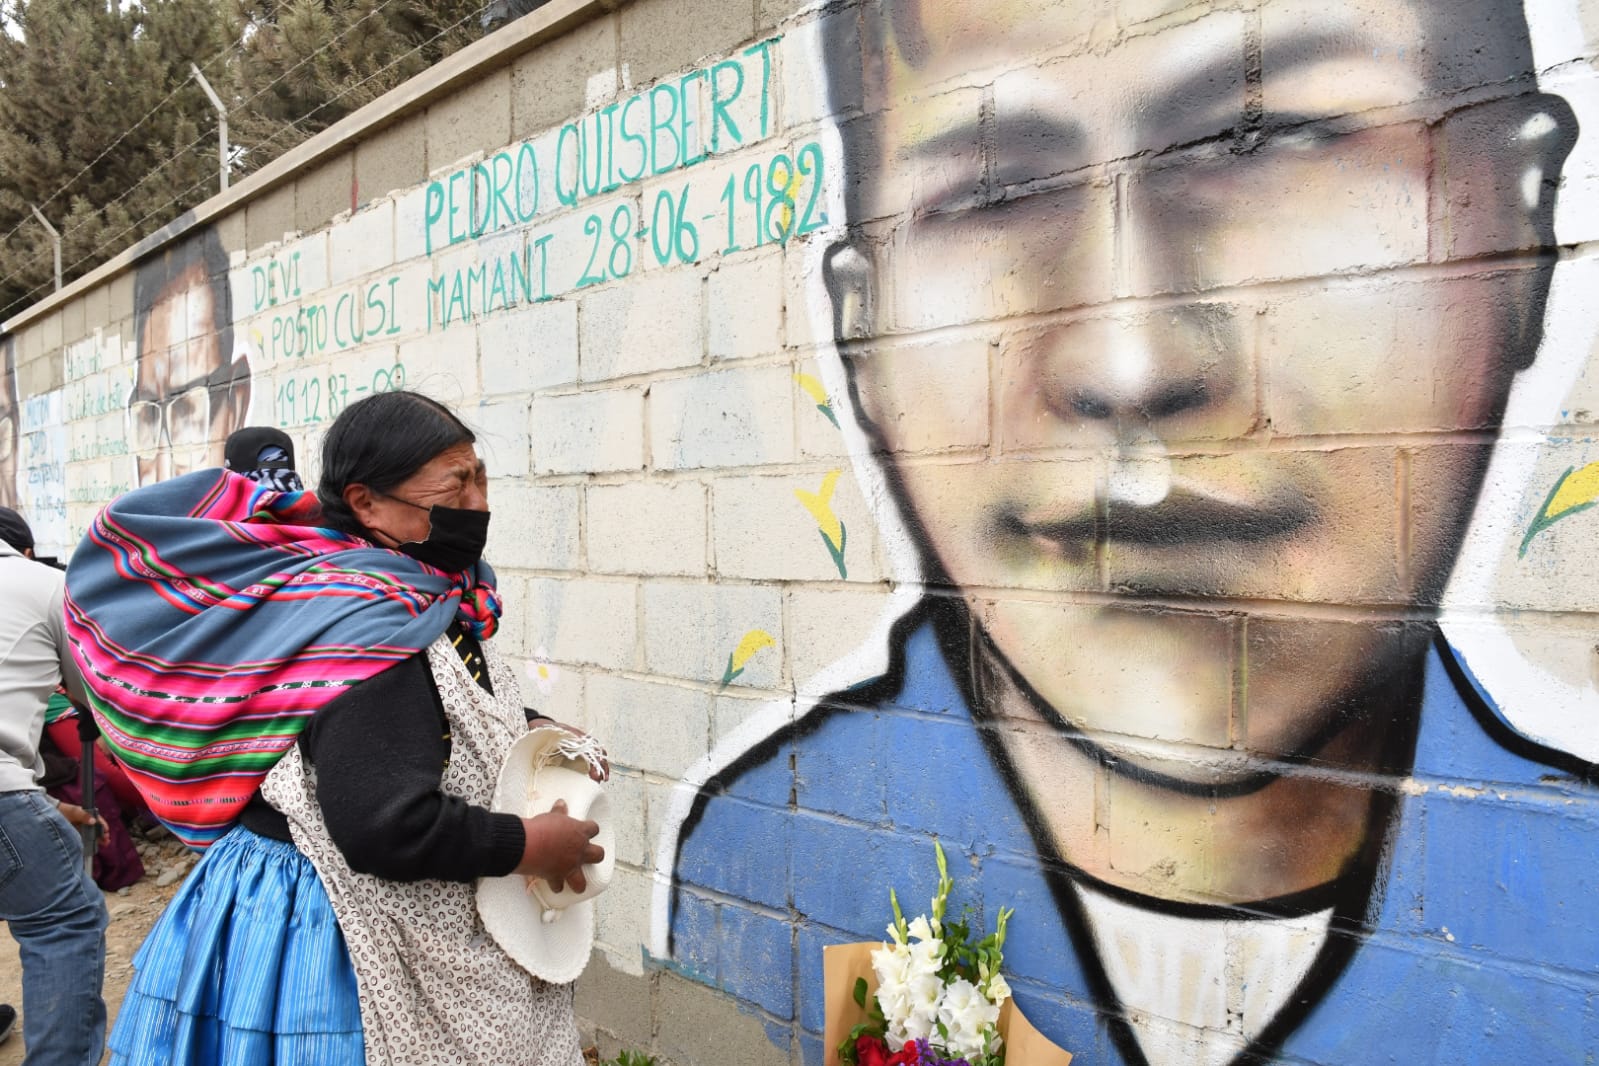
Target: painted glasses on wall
{"x": 1252, "y": 290}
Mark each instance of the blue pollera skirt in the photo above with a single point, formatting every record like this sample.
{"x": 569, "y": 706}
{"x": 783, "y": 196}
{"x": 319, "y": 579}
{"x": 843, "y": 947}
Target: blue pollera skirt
{"x": 246, "y": 967}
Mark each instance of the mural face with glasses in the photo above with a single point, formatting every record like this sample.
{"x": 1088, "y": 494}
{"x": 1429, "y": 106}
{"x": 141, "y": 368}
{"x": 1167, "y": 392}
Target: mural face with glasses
{"x": 1245, "y": 292}
{"x": 189, "y": 390}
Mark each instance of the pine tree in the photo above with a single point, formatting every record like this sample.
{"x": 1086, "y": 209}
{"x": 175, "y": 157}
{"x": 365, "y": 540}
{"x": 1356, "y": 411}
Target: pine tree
{"x": 103, "y": 127}
{"x": 82, "y": 135}
{"x": 308, "y": 63}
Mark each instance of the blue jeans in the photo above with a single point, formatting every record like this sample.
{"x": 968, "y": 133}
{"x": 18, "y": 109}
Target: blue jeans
{"x": 58, "y": 919}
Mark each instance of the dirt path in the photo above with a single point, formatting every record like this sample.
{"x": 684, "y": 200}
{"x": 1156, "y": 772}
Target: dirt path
{"x": 133, "y": 911}
{"x": 132, "y": 915}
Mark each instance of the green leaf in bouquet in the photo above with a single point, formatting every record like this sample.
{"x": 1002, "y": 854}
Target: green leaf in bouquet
{"x": 846, "y": 1049}
{"x": 901, "y": 927}
{"x": 945, "y": 885}
{"x": 860, "y": 992}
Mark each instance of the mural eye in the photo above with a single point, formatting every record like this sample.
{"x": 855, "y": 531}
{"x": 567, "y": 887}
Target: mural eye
{"x": 146, "y": 419}
{"x": 189, "y": 417}
{"x": 1294, "y": 131}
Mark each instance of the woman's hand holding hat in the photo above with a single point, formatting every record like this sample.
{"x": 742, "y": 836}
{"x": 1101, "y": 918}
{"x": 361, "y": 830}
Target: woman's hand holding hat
{"x": 544, "y": 919}
{"x": 558, "y": 847}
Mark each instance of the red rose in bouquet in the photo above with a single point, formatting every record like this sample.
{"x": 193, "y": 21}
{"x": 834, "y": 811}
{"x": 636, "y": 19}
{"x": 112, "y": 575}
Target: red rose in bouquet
{"x": 911, "y": 1055}
{"x": 871, "y": 1051}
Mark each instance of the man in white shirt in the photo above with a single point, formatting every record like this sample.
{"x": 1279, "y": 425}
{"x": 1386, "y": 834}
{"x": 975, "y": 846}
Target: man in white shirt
{"x": 47, "y": 899}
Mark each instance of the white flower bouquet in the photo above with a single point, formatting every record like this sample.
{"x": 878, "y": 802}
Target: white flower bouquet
{"x": 939, "y": 993}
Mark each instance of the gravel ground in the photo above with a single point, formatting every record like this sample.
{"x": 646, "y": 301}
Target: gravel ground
{"x": 133, "y": 911}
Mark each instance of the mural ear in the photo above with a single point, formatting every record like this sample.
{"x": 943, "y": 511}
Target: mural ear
{"x": 1545, "y": 139}
{"x": 239, "y": 392}
{"x": 847, "y": 271}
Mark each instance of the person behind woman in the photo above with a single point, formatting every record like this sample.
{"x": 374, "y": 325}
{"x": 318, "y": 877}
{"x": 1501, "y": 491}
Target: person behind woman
{"x": 264, "y": 455}
{"x": 322, "y": 663}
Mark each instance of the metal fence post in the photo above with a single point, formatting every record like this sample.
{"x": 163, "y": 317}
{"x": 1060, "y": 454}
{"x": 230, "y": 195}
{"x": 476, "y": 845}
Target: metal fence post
{"x": 55, "y": 238}
{"x": 222, "y": 124}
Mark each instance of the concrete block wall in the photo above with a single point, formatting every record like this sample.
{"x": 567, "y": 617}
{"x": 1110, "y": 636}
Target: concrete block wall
{"x": 1147, "y": 447}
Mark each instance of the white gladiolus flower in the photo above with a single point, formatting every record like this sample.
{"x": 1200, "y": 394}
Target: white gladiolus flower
{"x": 917, "y": 1027}
{"x": 960, "y": 1017}
{"x": 924, "y": 957}
{"x": 925, "y": 993}
{"x": 966, "y": 1013}
{"x": 891, "y": 964}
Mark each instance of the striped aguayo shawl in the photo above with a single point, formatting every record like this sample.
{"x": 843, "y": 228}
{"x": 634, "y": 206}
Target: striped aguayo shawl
{"x": 212, "y": 617}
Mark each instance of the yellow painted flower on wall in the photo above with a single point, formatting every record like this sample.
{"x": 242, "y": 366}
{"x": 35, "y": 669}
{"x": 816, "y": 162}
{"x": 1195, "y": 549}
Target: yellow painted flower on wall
{"x": 820, "y": 505}
{"x": 785, "y": 219}
{"x": 1575, "y": 491}
{"x": 752, "y": 642}
{"x": 818, "y": 392}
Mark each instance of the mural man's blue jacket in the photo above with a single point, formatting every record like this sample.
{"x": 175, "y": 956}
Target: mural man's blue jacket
{"x": 1477, "y": 942}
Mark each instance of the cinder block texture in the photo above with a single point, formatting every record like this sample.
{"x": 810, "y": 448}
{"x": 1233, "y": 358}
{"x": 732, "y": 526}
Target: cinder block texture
{"x": 363, "y": 245}
{"x": 681, "y": 719}
{"x": 650, "y": 324}
{"x": 588, "y": 432}
{"x": 534, "y": 527}
{"x": 502, "y": 440}
{"x": 584, "y": 620}
{"x": 475, "y": 120}
{"x": 268, "y": 217}
{"x": 738, "y": 417}
{"x": 396, "y": 158}
{"x": 695, "y": 630}
{"x": 321, "y": 193}
{"x": 661, "y": 36}
{"x": 647, "y": 528}
{"x": 618, "y": 1004}
{"x": 530, "y": 348}
{"x": 763, "y": 528}
{"x": 695, "y": 1027}
{"x": 573, "y": 74}
{"x": 746, "y": 308}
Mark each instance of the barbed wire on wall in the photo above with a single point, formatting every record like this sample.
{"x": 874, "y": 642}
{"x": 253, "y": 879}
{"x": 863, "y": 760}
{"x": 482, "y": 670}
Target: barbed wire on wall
{"x": 290, "y": 126}
{"x": 205, "y": 66}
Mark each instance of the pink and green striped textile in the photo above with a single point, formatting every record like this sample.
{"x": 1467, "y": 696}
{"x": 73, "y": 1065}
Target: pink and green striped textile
{"x": 212, "y": 617}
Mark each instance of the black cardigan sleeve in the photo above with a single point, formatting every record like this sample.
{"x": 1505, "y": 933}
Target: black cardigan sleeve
{"x": 379, "y": 751}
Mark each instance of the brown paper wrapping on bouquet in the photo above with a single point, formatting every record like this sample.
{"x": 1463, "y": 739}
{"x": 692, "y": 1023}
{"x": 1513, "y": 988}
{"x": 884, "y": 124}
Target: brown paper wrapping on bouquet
{"x": 842, "y": 964}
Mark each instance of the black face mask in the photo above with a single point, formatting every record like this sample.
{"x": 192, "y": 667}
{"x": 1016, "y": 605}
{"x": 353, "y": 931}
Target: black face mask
{"x": 456, "y": 537}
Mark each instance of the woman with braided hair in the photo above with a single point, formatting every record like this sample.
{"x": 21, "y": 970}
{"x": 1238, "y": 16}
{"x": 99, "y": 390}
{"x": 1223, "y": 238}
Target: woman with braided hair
{"x": 305, "y": 686}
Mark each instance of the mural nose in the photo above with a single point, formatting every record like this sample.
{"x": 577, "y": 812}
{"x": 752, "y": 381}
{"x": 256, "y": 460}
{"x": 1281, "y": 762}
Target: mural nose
{"x": 1165, "y": 374}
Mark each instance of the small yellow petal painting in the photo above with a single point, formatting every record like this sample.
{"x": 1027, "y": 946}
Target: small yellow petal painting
{"x": 752, "y": 642}
{"x": 1575, "y": 491}
{"x": 820, "y": 505}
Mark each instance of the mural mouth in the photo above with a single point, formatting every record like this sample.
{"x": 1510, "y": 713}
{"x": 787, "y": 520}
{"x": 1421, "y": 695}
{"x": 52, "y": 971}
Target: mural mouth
{"x": 1185, "y": 517}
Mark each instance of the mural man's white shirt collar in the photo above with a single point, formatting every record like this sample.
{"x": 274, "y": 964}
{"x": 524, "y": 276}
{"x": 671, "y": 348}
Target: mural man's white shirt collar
{"x": 1197, "y": 991}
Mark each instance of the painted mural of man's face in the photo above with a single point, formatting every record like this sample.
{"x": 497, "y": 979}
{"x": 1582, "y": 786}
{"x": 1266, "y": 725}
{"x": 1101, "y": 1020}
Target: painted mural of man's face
{"x": 188, "y": 394}
{"x": 1217, "y": 283}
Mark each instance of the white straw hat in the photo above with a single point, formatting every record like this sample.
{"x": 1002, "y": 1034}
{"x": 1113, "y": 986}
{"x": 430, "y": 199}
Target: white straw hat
{"x": 549, "y": 933}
